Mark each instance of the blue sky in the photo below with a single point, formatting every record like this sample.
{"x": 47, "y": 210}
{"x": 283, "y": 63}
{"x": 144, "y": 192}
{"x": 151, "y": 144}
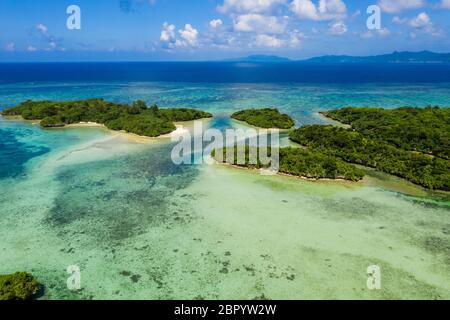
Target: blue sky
{"x": 35, "y": 30}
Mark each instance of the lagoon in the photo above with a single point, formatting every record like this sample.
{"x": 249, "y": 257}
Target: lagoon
{"x": 141, "y": 227}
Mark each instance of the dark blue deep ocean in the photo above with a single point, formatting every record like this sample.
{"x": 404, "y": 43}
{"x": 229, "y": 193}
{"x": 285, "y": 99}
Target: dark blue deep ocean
{"x": 225, "y": 72}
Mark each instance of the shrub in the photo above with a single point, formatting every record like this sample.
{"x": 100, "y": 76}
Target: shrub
{"x": 18, "y": 286}
{"x": 264, "y": 118}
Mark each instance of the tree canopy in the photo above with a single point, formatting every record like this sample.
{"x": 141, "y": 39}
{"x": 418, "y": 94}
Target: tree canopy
{"x": 136, "y": 118}
{"x": 264, "y": 118}
{"x": 299, "y": 162}
{"x": 426, "y": 130}
{"x": 386, "y": 140}
{"x": 18, "y": 286}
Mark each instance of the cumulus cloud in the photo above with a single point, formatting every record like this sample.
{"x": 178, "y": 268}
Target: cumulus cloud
{"x": 393, "y": 6}
{"x": 324, "y": 10}
{"x": 168, "y": 33}
{"x": 188, "y": 36}
{"x": 422, "y": 23}
{"x": 215, "y": 23}
{"x": 52, "y": 42}
{"x": 31, "y": 49}
{"x": 337, "y": 28}
{"x": 259, "y": 23}
{"x": 305, "y": 9}
{"x": 295, "y": 38}
{"x": 250, "y": 6}
{"x": 264, "y": 40}
{"x": 42, "y": 28}
{"x": 398, "y": 20}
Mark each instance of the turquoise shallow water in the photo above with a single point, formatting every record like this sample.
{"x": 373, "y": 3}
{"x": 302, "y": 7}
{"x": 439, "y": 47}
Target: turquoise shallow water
{"x": 299, "y": 100}
{"x": 141, "y": 227}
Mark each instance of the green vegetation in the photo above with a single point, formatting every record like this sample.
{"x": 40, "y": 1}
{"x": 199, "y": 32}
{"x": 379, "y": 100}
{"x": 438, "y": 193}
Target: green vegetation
{"x": 352, "y": 146}
{"x": 410, "y": 143}
{"x": 301, "y": 162}
{"x": 425, "y": 130}
{"x": 264, "y": 118}
{"x": 18, "y": 286}
{"x": 136, "y": 118}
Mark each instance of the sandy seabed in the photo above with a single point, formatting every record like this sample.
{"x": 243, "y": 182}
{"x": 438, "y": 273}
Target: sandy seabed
{"x": 140, "y": 227}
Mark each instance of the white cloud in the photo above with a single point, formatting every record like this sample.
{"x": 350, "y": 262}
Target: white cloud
{"x": 42, "y": 28}
{"x": 295, "y": 38}
{"x": 445, "y": 4}
{"x": 305, "y": 9}
{"x": 332, "y": 7}
{"x": 31, "y": 49}
{"x": 168, "y": 33}
{"x": 259, "y": 23}
{"x": 398, "y": 20}
{"x": 215, "y": 23}
{"x": 324, "y": 10}
{"x": 393, "y": 6}
{"x": 384, "y": 32}
{"x": 421, "y": 21}
{"x": 10, "y": 47}
{"x": 52, "y": 42}
{"x": 356, "y": 14}
{"x": 264, "y": 40}
{"x": 337, "y": 28}
{"x": 250, "y": 6}
{"x": 189, "y": 35}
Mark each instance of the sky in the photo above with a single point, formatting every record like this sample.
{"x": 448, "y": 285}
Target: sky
{"x": 166, "y": 30}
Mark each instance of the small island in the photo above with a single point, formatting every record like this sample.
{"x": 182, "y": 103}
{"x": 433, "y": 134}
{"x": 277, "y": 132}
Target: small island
{"x": 266, "y": 118}
{"x": 299, "y": 162}
{"x": 425, "y": 130}
{"x": 305, "y": 163}
{"x": 410, "y": 143}
{"x": 136, "y": 118}
{"x": 18, "y": 286}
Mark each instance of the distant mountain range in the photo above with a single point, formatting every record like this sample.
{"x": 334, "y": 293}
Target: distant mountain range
{"x": 396, "y": 57}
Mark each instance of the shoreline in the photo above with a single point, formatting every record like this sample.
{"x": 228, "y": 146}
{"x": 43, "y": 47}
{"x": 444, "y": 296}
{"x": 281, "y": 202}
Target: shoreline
{"x": 282, "y": 174}
{"x": 394, "y": 184}
{"x": 181, "y": 129}
{"x": 332, "y": 121}
{"x": 260, "y": 128}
